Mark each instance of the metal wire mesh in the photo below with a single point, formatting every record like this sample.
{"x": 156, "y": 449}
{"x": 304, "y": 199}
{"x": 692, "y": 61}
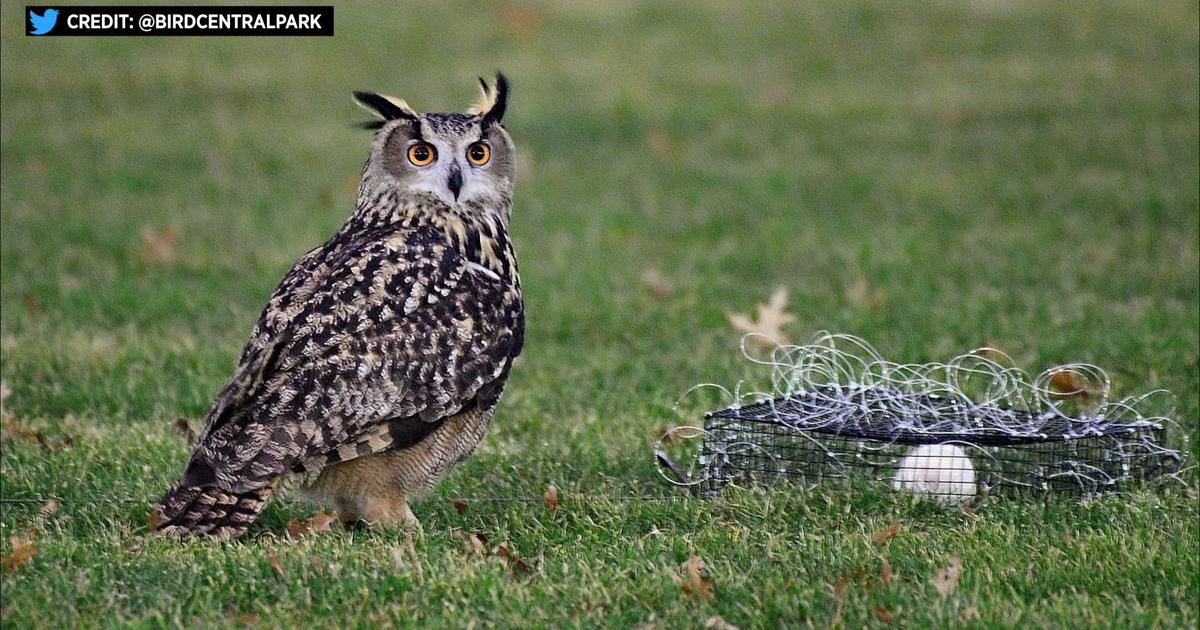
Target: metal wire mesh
{"x": 952, "y": 431}
{"x": 763, "y": 450}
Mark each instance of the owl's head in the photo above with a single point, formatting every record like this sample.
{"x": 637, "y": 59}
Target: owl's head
{"x": 456, "y": 157}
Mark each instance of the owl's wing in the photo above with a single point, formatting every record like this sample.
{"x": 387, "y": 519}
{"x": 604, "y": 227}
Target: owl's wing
{"x": 398, "y": 332}
{"x": 293, "y": 291}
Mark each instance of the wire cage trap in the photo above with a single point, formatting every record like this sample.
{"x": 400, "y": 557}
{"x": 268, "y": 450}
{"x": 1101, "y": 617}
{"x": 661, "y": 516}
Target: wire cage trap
{"x": 974, "y": 426}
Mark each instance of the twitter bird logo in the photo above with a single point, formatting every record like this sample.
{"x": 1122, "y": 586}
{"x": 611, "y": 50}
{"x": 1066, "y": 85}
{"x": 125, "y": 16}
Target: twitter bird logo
{"x": 43, "y": 23}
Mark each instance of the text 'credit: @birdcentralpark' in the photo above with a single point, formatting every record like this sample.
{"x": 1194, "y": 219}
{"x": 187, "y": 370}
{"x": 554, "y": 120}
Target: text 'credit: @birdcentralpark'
{"x": 156, "y": 21}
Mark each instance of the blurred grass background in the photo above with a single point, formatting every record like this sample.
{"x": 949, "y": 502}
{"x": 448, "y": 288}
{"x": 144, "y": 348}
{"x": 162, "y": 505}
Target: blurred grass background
{"x": 932, "y": 178}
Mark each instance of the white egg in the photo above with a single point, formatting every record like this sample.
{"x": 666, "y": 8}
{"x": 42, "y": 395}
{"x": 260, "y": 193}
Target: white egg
{"x": 941, "y": 472}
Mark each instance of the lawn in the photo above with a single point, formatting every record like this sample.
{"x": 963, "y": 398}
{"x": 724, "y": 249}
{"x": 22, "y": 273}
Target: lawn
{"x": 1022, "y": 174}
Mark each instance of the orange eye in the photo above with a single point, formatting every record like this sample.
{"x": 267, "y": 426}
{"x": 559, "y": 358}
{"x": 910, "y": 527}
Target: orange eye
{"x": 479, "y": 153}
{"x": 422, "y": 154}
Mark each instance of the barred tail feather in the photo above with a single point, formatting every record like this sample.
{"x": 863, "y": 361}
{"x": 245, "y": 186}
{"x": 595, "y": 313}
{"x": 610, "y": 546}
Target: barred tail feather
{"x": 187, "y": 510}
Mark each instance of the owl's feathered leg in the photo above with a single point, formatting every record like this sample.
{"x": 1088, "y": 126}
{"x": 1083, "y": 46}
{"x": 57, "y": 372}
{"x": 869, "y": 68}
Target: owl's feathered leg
{"x": 365, "y": 490}
{"x": 376, "y": 488}
{"x": 389, "y": 510}
{"x": 188, "y": 510}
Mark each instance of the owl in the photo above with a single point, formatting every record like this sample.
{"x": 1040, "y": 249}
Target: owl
{"x": 377, "y": 363}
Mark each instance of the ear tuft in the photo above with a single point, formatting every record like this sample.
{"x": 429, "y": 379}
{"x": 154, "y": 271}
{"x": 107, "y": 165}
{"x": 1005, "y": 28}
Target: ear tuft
{"x": 495, "y": 102}
{"x": 386, "y": 107}
{"x": 486, "y": 100}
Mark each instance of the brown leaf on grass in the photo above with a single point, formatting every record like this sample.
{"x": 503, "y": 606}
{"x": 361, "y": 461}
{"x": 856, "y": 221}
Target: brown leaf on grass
{"x": 405, "y": 559}
{"x": 885, "y": 535}
{"x": 694, "y": 580}
{"x": 945, "y": 579}
{"x": 49, "y": 508}
{"x": 321, "y": 522}
{"x": 31, "y": 302}
{"x": 717, "y": 623}
{"x": 659, "y": 284}
{"x": 862, "y": 294}
{"x": 883, "y": 614}
{"x": 514, "y": 561}
{"x": 474, "y": 543}
{"x": 22, "y": 551}
{"x": 551, "y": 497}
{"x": 767, "y": 331}
{"x": 13, "y": 429}
{"x": 847, "y": 578}
{"x": 461, "y": 506}
{"x": 185, "y": 428}
{"x": 247, "y": 619}
{"x": 672, "y": 434}
{"x": 659, "y": 143}
{"x": 1071, "y": 384}
{"x": 158, "y": 245}
{"x": 885, "y": 572}
{"x": 520, "y": 19}
{"x": 993, "y": 352}
{"x": 275, "y": 563}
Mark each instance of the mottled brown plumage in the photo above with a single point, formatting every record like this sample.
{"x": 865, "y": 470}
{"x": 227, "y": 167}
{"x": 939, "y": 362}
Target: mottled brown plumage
{"x": 378, "y": 361}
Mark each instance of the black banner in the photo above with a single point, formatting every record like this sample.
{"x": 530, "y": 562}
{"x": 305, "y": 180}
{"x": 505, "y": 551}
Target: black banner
{"x": 269, "y": 21}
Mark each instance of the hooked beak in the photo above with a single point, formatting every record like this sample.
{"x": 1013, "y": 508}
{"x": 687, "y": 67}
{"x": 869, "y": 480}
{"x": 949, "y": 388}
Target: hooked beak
{"x": 455, "y": 181}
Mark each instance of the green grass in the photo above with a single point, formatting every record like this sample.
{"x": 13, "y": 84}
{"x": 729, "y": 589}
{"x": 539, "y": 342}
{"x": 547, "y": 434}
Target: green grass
{"x": 1022, "y": 174}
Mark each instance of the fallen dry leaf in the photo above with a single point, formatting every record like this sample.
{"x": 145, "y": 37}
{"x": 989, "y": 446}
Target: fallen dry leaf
{"x": 883, "y": 614}
{"x": 993, "y": 352}
{"x": 717, "y": 623}
{"x": 13, "y": 429}
{"x": 22, "y": 551}
{"x": 401, "y": 555}
{"x": 461, "y": 506}
{"x": 694, "y": 579}
{"x": 474, "y": 543}
{"x": 275, "y": 563}
{"x": 945, "y": 579}
{"x": 885, "y": 535}
{"x": 521, "y": 20}
{"x": 885, "y": 572}
{"x": 668, "y": 435}
{"x": 1069, "y": 384}
{"x": 158, "y": 245}
{"x": 551, "y": 497}
{"x": 767, "y": 331}
{"x": 185, "y": 428}
{"x": 861, "y": 294}
{"x": 659, "y": 143}
{"x": 846, "y": 579}
{"x": 514, "y": 561}
{"x": 321, "y": 522}
{"x": 658, "y": 283}
{"x": 49, "y": 508}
